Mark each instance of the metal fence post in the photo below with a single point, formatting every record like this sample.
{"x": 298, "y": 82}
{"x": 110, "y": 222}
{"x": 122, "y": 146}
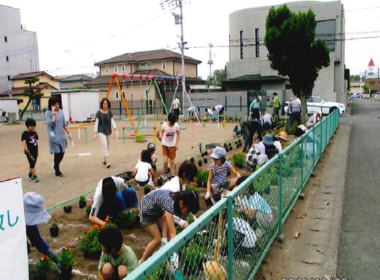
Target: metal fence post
{"x": 85, "y": 133}
{"x": 230, "y": 240}
{"x": 313, "y": 147}
{"x": 326, "y": 135}
{"x": 123, "y": 135}
{"x": 280, "y": 214}
{"x": 321, "y": 134}
{"x": 302, "y": 161}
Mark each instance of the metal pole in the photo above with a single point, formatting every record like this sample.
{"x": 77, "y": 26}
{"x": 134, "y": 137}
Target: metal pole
{"x": 281, "y": 160}
{"x": 230, "y": 239}
{"x": 314, "y": 147}
{"x": 183, "y": 55}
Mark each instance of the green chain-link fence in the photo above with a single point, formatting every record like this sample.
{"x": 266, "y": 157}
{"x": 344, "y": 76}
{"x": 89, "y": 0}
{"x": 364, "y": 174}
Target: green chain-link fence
{"x": 231, "y": 239}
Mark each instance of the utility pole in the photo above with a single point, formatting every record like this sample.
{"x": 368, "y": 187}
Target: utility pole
{"x": 180, "y": 4}
{"x": 210, "y": 62}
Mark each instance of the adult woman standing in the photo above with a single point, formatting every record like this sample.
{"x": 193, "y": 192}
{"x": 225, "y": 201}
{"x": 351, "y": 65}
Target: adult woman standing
{"x": 103, "y": 130}
{"x": 56, "y": 126}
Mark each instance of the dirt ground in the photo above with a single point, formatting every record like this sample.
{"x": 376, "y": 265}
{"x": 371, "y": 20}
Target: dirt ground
{"x": 82, "y": 165}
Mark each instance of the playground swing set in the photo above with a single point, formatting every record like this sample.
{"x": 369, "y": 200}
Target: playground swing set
{"x": 152, "y": 79}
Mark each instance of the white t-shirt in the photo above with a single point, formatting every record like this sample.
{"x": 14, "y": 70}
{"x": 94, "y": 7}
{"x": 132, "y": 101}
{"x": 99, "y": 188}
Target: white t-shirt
{"x": 261, "y": 147}
{"x": 218, "y": 107}
{"x": 173, "y": 185}
{"x": 278, "y": 146}
{"x": 176, "y": 103}
{"x": 98, "y": 197}
{"x": 170, "y": 134}
{"x": 268, "y": 118}
{"x": 239, "y": 225}
{"x": 193, "y": 109}
{"x": 209, "y": 112}
{"x": 142, "y": 174}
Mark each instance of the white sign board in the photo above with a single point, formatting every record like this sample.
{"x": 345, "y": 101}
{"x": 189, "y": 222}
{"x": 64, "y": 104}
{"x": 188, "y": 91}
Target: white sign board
{"x": 13, "y": 249}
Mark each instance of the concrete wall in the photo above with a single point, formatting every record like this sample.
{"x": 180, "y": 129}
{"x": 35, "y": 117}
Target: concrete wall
{"x": 330, "y": 83}
{"x": 21, "y": 47}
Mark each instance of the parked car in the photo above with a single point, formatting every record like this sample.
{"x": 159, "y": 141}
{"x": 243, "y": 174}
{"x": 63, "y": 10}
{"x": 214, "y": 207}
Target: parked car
{"x": 356, "y": 96}
{"x": 316, "y": 104}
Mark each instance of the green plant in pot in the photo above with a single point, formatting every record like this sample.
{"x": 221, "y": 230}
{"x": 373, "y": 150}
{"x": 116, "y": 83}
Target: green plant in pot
{"x": 160, "y": 182}
{"x": 66, "y": 263}
{"x": 88, "y": 210}
{"x": 44, "y": 266}
{"x": 67, "y": 208}
{"x": 192, "y": 159}
{"x": 126, "y": 219}
{"x": 192, "y": 188}
{"x": 89, "y": 243}
{"x": 198, "y": 178}
{"x": 200, "y": 162}
{"x": 82, "y": 202}
{"x": 194, "y": 258}
{"x": 238, "y": 160}
{"x": 205, "y": 160}
{"x": 54, "y": 229}
{"x": 147, "y": 189}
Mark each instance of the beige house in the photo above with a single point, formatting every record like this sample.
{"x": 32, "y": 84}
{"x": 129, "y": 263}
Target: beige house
{"x": 44, "y": 86}
{"x": 158, "y": 62}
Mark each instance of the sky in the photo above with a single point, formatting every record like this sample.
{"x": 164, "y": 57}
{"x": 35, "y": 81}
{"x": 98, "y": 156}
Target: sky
{"x": 72, "y": 35}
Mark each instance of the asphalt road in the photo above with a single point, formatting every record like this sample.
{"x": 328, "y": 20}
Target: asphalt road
{"x": 359, "y": 249}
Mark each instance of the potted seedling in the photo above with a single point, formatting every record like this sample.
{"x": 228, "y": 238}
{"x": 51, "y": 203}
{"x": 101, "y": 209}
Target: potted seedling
{"x": 200, "y": 162}
{"x": 67, "y": 208}
{"x": 44, "y": 266}
{"x": 126, "y": 219}
{"x": 192, "y": 159}
{"x": 89, "y": 243}
{"x": 54, "y": 229}
{"x": 82, "y": 202}
{"x": 205, "y": 160}
{"x": 154, "y": 167}
{"x": 198, "y": 178}
{"x": 147, "y": 188}
{"x": 88, "y": 210}
{"x": 66, "y": 263}
{"x": 160, "y": 182}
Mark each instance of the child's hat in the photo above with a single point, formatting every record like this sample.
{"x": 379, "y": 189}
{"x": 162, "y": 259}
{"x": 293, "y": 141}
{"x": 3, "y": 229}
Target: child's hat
{"x": 151, "y": 147}
{"x": 268, "y": 139}
{"x": 218, "y": 153}
{"x": 34, "y": 209}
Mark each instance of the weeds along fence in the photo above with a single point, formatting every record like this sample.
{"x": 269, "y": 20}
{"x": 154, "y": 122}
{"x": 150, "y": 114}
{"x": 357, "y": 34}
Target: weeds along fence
{"x": 231, "y": 239}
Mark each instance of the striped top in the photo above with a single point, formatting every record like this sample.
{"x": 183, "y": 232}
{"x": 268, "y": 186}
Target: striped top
{"x": 219, "y": 174}
{"x": 157, "y": 202}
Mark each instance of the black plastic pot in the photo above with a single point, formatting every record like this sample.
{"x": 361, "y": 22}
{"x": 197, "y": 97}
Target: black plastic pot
{"x": 54, "y": 232}
{"x": 147, "y": 190}
{"x": 199, "y": 163}
{"x": 66, "y": 273}
{"x": 160, "y": 182}
{"x": 192, "y": 160}
{"x": 208, "y": 202}
{"x": 205, "y": 160}
{"x": 228, "y": 173}
{"x": 67, "y": 209}
{"x": 82, "y": 204}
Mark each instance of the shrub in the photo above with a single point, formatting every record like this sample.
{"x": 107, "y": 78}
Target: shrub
{"x": 194, "y": 257}
{"x": 238, "y": 160}
{"x": 293, "y": 129}
{"x": 126, "y": 219}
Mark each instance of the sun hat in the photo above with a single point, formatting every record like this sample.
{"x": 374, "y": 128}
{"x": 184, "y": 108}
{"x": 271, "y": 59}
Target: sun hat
{"x": 283, "y": 136}
{"x": 151, "y": 147}
{"x": 268, "y": 139}
{"x": 218, "y": 153}
{"x": 34, "y": 209}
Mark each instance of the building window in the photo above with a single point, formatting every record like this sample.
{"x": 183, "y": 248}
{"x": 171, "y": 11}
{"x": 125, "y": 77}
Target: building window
{"x": 117, "y": 95}
{"x": 107, "y": 70}
{"x": 142, "y": 65}
{"x": 123, "y": 68}
{"x": 116, "y": 68}
{"x": 164, "y": 65}
{"x": 124, "y": 94}
{"x": 149, "y": 64}
{"x": 9, "y": 78}
{"x": 241, "y": 44}
{"x": 7, "y": 58}
{"x": 5, "y": 39}
{"x": 257, "y": 43}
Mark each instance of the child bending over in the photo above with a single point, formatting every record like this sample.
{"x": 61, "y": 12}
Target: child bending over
{"x": 143, "y": 172}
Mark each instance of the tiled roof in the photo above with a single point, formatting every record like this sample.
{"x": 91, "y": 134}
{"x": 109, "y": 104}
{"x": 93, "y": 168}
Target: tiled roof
{"x": 76, "y": 78}
{"x": 20, "y": 90}
{"x": 147, "y": 56}
{"x": 23, "y": 76}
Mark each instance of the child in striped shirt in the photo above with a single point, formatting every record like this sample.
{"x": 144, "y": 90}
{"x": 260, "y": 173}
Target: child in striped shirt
{"x": 157, "y": 211}
{"x": 217, "y": 183}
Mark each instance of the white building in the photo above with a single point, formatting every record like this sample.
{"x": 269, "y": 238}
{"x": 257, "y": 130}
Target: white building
{"x": 249, "y": 67}
{"x": 18, "y": 47}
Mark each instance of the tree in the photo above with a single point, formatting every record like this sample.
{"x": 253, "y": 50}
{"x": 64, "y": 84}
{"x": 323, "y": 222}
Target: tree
{"x": 218, "y": 77}
{"x": 30, "y": 93}
{"x": 294, "y": 50}
{"x": 355, "y": 78}
{"x": 79, "y": 87}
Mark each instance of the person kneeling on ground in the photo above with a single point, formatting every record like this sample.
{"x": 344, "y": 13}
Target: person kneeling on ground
{"x": 186, "y": 174}
{"x": 267, "y": 121}
{"x": 117, "y": 260}
{"x": 244, "y": 124}
{"x": 143, "y": 172}
{"x": 267, "y": 147}
{"x": 110, "y": 199}
{"x": 255, "y": 208}
{"x": 217, "y": 183}
{"x": 35, "y": 214}
{"x": 255, "y": 158}
{"x": 157, "y": 211}
{"x": 314, "y": 119}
